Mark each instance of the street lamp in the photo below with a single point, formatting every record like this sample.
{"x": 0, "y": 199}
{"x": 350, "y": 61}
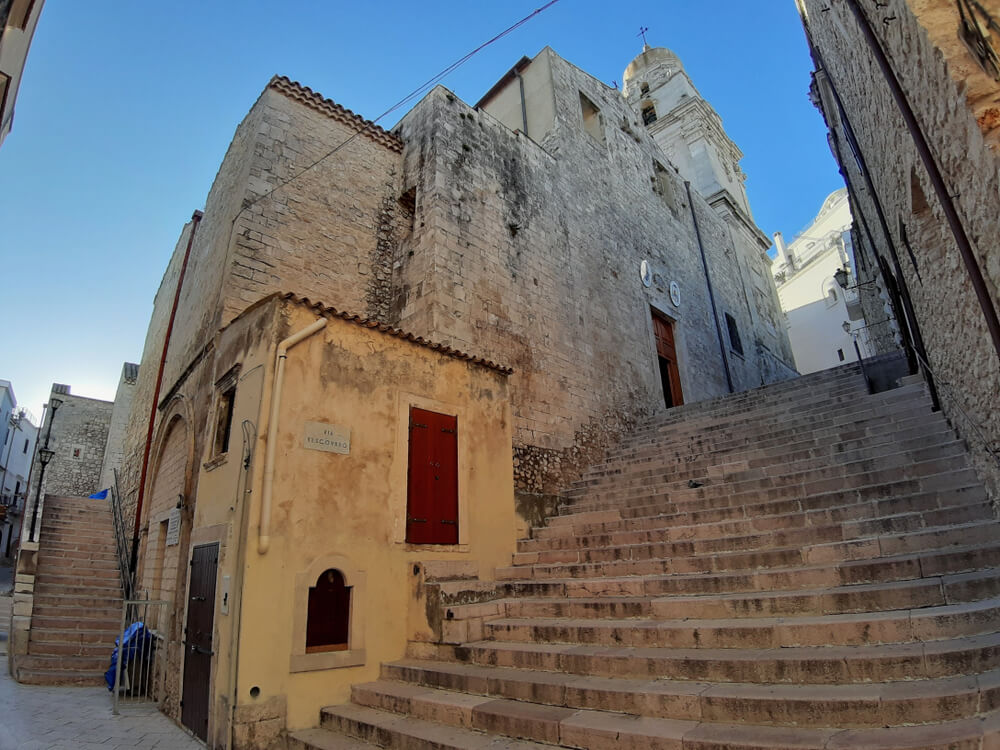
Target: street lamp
{"x": 841, "y": 276}
{"x": 44, "y": 455}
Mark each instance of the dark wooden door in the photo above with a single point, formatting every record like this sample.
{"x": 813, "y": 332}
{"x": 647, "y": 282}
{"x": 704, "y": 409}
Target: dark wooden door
{"x": 198, "y": 639}
{"x": 432, "y": 481}
{"x": 670, "y": 375}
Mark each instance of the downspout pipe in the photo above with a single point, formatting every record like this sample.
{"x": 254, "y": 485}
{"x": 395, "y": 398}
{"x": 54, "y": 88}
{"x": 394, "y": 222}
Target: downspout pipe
{"x": 264, "y": 534}
{"x": 711, "y": 293}
{"x": 937, "y": 180}
{"x": 524, "y": 106}
{"x": 195, "y": 221}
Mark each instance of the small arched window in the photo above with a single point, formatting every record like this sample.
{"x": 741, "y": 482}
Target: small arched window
{"x": 329, "y": 615}
{"x": 644, "y": 89}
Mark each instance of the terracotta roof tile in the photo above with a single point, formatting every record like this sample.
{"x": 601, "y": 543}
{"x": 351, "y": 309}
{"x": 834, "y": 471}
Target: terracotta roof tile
{"x": 317, "y": 101}
{"x": 333, "y": 312}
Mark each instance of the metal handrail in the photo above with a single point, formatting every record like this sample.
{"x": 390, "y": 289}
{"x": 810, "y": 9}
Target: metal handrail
{"x": 122, "y": 541}
{"x": 994, "y": 453}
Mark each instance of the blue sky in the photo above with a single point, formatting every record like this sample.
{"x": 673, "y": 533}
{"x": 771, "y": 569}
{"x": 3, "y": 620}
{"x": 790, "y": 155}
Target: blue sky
{"x": 126, "y": 110}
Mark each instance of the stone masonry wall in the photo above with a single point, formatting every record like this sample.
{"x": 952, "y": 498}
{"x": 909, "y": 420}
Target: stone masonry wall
{"x": 324, "y": 234}
{"x": 114, "y": 449}
{"x": 952, "y": 100}
{"x": 78, "y": 437}
{"x": 529, "y": 254}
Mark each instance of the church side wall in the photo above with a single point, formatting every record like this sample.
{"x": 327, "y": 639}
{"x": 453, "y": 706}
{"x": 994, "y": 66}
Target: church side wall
{"x": 530, "y": 256}
{"x": 939, "y": 77}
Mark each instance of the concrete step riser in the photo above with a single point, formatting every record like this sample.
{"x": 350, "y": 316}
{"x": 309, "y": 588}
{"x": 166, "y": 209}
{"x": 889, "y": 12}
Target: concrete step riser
{"x": 760, "y": 517}
{"x": 718, "y": 538}
{"x": 829, "y": 478}
{"x": 813, "y": 459}
{"x": 753, "y": 436}
{"x": 773, "y": 666}
{"x": 792, "y": 421}
{"x": 668, "y": 700}
{"x": 819, "y": 495}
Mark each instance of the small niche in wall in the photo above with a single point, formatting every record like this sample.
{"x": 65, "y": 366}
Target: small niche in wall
{"x": 591, "y": 118}
{"x": 329, "y": 617}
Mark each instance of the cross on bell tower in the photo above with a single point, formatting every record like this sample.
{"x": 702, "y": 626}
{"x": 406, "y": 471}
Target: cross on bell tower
{"x": 642, "y": 33}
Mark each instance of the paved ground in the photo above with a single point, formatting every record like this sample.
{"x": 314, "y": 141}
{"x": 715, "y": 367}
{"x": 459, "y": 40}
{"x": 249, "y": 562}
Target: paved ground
{"x": 66, "y": 718}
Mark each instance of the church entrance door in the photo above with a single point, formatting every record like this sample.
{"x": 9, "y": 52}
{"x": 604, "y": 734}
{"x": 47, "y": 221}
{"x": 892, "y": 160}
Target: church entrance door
{"x": 670, "y": 376}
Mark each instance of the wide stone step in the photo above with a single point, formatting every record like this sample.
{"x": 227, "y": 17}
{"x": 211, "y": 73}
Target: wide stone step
{"x": 899, "y": 626}
{"x": 58, "y": 585}
{"x": 787, "y": 500}
{"x": 830, "y": 415}
{"x": 64, "y": 663}
{"x": 586, "y": 728}
{"x": 827, "y": 665}
{"x": 857, "y": 474}
{"x": 391, "y": 730}
{"x": 404, "y": 689}
{"x": 74, "y": 638}
{"x": 78, "y": 678}
{"x": 686, "y": 557}
{"x": 927, "y": 564}
{"x": 64, "y": 622}
{"x": 857, "y": 598}
{"x": 324, "y": 739}
{"x": 99, "y": 648}
{"x": 693, "y": 524}
{"x": 666, "y": 467}
{"x": 733, "y": 535}
{"x": 112, "y": 599}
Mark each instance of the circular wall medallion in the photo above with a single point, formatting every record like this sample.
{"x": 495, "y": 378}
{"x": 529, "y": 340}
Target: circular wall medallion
{"x": 675, "y": 293}
{"x": 645, "y": 273}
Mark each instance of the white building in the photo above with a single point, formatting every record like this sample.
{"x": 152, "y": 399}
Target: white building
{"x": 19, "y": 435}
{"x": 821, "y": 317}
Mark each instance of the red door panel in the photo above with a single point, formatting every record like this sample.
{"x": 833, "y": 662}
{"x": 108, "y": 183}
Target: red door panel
{"x": 432, "y": 481}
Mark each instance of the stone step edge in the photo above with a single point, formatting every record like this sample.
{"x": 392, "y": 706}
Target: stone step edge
{"x": 588, "y": 728}
{"x": 508, "y": 683}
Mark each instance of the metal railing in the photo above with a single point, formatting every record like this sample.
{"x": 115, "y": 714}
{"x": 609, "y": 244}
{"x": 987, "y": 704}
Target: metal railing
{"x": 123, "y": 543}
{"x": 140, "y": 653}
{"x": 991, "y": 447}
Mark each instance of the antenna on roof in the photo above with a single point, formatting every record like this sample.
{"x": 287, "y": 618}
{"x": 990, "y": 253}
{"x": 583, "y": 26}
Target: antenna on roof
{"x": 642, "y": 33}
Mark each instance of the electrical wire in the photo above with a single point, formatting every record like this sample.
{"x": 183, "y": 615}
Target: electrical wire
{"x": 402, "y": 102}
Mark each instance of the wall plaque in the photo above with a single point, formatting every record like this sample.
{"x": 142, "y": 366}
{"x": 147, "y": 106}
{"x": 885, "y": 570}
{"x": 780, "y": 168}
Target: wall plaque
{"x": 332, "y": 438}
{"x": 173, "y": 527}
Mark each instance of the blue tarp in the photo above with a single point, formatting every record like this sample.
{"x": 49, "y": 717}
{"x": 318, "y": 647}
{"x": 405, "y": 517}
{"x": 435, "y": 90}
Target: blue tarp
{"x": 102, "y": 495}
{"x": 136, "y": 642}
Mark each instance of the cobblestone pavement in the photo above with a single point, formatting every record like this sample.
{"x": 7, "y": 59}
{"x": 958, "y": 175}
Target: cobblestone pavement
{"x": 68, "y": 718}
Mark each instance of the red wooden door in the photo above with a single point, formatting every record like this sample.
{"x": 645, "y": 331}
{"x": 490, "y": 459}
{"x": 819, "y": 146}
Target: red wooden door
{"x": 432, "y": 482}
{"x": 670, "y": 375}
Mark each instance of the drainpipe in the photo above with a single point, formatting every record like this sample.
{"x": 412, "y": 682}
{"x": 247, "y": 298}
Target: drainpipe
{"x": 937, "y": 180}
{"x": 524, "y": 106}
{"x": 195, "y": 220}
{"x": 711, "y": 294}
{"x": 264, "y": 538}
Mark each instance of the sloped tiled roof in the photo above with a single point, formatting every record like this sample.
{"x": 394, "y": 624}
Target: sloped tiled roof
{"x": 332, "y": 312}
{"x": 317, "y": 101}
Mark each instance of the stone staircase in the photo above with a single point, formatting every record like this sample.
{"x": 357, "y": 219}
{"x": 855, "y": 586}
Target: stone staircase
{"x": 77, "y": 596}
{"x": 800, "y": 566}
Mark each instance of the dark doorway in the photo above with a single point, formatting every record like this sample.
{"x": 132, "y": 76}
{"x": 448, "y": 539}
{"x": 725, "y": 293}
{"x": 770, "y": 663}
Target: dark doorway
{"x": 670, "y": 376}
{"x": 432, "y": 481}
{"x": 198, "y": 639}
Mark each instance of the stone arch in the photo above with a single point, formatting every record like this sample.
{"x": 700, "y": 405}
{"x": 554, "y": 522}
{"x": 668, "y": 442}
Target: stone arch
{"x": 168, "y": 484}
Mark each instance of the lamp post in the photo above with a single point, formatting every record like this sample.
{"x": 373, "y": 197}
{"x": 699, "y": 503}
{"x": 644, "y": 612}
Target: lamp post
{"x": 44, "y": 455}
{"x": 841, "y": 276}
